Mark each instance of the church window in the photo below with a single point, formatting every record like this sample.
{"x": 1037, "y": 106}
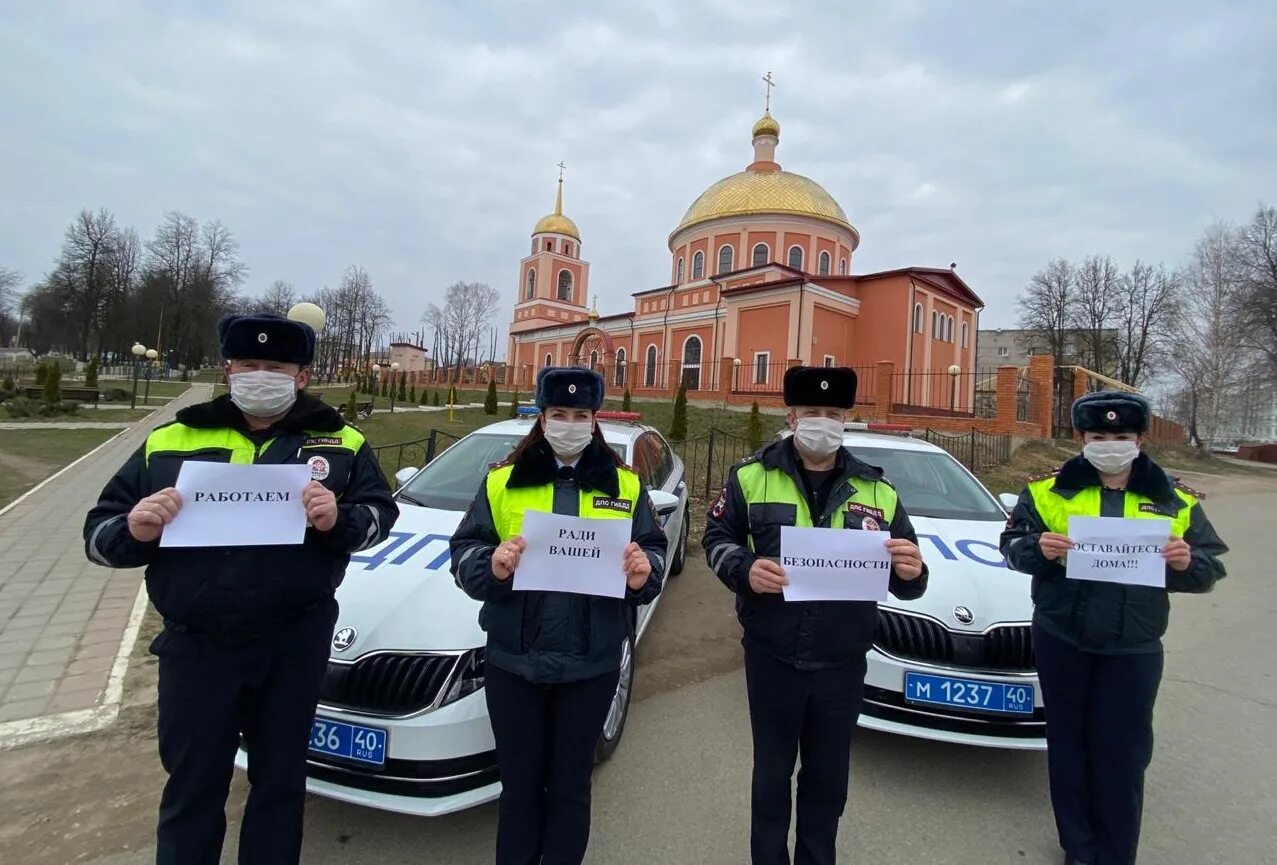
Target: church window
{"x": 594, "y": 360}
{"x": 830, "y": 360}
{"x": 549, "y": 246}
{"x": 824, "y": 264}
{"x": 796, "y": 257}
{"x": 935, "y": 324}
{"x": 762, "y": 362}
{"x": 692, "y": 363}
{"x": 532, "y": 283}
{"x": 549, "y": 359}
{"x": 679, "y": 280}
{"x": 725, "y": 259}
{"x": 842, "y": 267}
{"x": 948, "y": 330}
{"x": 917, "y": 318}
{"x": 761, "y": 254}
{"x": 698, "y": 265}
{"x": 620, "y": 367}
{"x": 565, "y": 285}
{"x": 966, "y": 335}
{"x": 649, "y": 377}
{"x": 567, "y": 247}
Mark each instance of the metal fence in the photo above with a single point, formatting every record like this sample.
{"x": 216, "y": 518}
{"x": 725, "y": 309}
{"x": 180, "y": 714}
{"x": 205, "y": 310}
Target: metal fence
{"x": 975, "y": 450}
{"x": 972, "y": 392}
{"x": 707, "y": 459}
{"x": 416, "y": 453}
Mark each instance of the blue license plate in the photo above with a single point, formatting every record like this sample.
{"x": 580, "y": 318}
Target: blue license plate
{"x": 351, "y": 741}
{"x": 978, "y": 696}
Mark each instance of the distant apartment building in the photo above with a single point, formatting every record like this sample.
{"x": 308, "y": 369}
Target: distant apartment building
{"x": 1010, "y": 347}
{"x": 1250, "y": 414}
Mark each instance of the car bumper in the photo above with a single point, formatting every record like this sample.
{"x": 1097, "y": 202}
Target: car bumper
{"x": 885, "y": 709}
{"x": 436, "y": 763}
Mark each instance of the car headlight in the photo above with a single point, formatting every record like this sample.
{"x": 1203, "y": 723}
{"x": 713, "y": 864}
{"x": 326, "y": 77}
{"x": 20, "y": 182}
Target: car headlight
{"x": 466, "y": 678}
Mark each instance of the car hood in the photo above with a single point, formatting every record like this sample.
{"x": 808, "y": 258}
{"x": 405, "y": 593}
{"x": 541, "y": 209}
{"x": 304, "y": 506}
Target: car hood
{"x": 400, "y": 594}
{"x": 966, "y": 570}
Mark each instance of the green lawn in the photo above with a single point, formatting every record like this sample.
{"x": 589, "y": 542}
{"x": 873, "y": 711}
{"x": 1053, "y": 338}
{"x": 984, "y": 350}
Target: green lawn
{"x": 29, "y": 456}
{"x": 86, "y": 415}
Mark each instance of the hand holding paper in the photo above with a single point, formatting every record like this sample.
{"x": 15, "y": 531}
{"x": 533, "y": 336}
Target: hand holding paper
{"x": 637, "y": 567}
{"x": 320, "y": 505}
{"x": 149, "y": 516}
{"x": 767, "y": 577}
{"x": 505, "y": 558}
{"x": 1178, "y": 554}
{"x": 906, "y": 559}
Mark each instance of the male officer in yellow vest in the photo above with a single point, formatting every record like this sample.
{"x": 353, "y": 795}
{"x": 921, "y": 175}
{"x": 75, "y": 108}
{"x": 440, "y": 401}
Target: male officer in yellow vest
{"x": 804, "y": 661}
{"x": 1098, "y": 645}
{"x": 246, "y": 629}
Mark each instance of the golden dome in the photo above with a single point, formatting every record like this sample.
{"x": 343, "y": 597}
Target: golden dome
{"x": 767, "y": 125}
{"x": 557, "y": 223}
{"x": 751, "y": 193}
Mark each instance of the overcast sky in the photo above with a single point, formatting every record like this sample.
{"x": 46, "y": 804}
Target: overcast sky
{"x": 421, "y": 144}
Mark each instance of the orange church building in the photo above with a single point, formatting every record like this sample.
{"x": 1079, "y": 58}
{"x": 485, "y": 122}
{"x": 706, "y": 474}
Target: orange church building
{"x": 760, "y": 279}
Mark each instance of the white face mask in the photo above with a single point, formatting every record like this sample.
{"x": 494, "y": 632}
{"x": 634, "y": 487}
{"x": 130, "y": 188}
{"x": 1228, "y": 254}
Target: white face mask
{"x": 262, "y": 393}
{"x": 1111, "y": 457}
{"x": 568, "y": 438}
{"x": 818, "y": 436}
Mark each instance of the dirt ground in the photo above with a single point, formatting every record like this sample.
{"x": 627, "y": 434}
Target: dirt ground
{"x": 79, "y": 799}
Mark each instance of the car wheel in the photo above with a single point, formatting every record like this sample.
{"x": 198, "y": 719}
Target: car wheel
{"x": 614, "y": 724}
{"x": 680, "y": 552}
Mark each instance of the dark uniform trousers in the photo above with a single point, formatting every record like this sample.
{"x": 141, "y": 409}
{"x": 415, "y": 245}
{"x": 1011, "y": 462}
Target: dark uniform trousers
{"x": 796, "y": 712}
{"x": 211, "y": 692}
{"x": 545, "y": 737}
{"x": 1099, "y": 735}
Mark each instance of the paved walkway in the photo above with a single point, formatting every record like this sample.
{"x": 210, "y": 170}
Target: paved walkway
{"x": 62, "y": 618}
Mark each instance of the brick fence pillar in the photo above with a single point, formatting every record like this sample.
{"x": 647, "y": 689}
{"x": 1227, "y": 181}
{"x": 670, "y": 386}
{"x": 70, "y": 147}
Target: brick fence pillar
{"x": 884, "y": 379}
{"x": 1041, "y": 392}
{"x": 727, "y": 373}
{"x": 1007, "y": 405}
{"x": 1080, "y": 382}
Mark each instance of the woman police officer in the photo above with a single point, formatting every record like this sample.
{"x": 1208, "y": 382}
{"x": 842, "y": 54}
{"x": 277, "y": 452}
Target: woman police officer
{"x": 1098, "y": 644}
{"x": 553, "y": 659}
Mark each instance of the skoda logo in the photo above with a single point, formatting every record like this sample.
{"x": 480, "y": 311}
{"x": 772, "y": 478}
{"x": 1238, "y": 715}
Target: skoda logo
{"x": 344, "y": 639}
{"x": 962, "y": 614}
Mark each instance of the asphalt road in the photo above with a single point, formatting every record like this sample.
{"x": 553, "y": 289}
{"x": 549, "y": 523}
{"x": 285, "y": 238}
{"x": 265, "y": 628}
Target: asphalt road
{"x": 678, "y": 790}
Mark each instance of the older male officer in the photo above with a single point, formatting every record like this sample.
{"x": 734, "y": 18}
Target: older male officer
{"x": 804, "y": 661}
{"x": 246, "y": 629}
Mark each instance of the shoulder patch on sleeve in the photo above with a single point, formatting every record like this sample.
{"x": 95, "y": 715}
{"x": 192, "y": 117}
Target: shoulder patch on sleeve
{"x": 1180, "y": 485}
{"x": 752, "y": 458}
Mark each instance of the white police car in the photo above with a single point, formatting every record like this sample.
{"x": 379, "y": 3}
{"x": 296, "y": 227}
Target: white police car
{"x": 955, "y": 665}
{"x": 402, "y": 723}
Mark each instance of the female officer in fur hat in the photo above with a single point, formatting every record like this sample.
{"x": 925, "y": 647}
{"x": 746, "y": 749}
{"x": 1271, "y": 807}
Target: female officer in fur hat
{"x": 553, "y": 659}
{"x": 1098, "y": 644}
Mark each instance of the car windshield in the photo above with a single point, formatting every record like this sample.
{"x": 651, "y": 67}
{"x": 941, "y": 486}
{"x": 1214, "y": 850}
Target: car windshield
{"x": 451, "y": 480}
{"x": 932, "y": 484}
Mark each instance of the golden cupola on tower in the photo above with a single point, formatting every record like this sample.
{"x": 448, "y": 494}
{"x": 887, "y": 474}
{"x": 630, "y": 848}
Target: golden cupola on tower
{"x": 557, "y": 223}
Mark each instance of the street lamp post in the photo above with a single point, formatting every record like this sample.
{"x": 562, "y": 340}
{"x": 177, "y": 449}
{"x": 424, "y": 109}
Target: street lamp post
{"x": 394, "y": 368}
{"x": 138, "y": 350}
{"x": 954, "y": 372}
{"x": 376, "y": 378}
{"x": 151, "y": 355}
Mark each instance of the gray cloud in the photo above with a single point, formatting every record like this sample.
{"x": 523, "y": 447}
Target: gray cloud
{"x": 419, "y": 139}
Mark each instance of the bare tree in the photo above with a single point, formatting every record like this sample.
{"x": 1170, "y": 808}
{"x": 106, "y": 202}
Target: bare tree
{"x": 1096, "y": 281}
{"x": 459, "y": 324}
{"x": 1048, "y": 306}
{"x": 1142, "y": 313}
{"x": 278, "y": 298}
{"x": 1256, "y": 252}
{"x": 1205, "y": 355}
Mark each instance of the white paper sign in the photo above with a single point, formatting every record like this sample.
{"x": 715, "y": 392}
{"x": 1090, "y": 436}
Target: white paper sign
{"x": 572, "y": 554}
{"x": 835, "y": 564}
{"x": 1115, "y": 550}
{"x": 226, "y": 505}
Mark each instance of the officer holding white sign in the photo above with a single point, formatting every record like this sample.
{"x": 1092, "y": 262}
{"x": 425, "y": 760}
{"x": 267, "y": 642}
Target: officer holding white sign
{"x": 554, "y": 658}
{"x": 804, "y": 660}
{"x": 1097, "y": 624}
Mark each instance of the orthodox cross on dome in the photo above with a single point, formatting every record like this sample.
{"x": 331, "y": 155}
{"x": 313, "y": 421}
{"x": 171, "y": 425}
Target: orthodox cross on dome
{"x": 770, "y": 84}
{"x": 562, "y": 168}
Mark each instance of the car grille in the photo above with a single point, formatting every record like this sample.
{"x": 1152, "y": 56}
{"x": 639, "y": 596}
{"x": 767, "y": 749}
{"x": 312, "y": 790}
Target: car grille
{"x": 386, "y": 684}
{"x": 914, "y": 638}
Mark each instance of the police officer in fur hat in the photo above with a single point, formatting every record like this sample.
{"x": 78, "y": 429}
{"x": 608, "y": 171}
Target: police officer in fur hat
{"x": 246, "y": 629}
{"x": 554, "y": 659}
{"x": 1098, "y": 644}
{"x": 804, "y": 661}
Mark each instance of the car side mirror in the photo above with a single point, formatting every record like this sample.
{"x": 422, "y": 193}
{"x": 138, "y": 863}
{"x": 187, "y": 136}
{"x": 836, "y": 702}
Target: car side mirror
{"x": 665, "y": 503}
{"x": 405, "y": 474}
{"x": 1009, "y": 500}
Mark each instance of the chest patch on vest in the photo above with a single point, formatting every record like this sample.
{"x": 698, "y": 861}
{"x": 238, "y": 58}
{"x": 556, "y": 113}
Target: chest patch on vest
{"x": 319, "y": 468}
{"x": 623, "y": 505}
{"x": 866, "y": 511}
{"x": 321, "y": 442}
{"x": 1153, "y": 508}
